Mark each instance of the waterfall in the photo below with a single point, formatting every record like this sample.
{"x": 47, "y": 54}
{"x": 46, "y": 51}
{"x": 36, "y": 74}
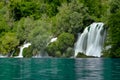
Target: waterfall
{"x": 91, "y": 41}
{"x": 81, "y": 43}
{"x": 42, "y": 53}
{"x": 53, "y": 39}
{"x": 26, "y": 45}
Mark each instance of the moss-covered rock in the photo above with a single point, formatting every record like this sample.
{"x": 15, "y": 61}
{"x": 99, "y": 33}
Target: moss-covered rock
{"x": 82, "y": 55}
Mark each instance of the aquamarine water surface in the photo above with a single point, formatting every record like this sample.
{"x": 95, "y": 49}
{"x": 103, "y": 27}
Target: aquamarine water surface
{"x": 59, "y": 69}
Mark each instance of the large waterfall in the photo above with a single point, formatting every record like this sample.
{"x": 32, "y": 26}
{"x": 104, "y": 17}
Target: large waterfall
{"x": 91, "y": 41}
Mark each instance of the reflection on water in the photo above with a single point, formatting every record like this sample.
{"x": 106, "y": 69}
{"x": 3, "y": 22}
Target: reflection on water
{"x": 60, "y": 69}
{"x": 89, "y": 69}
{"x": 115, "y": 69}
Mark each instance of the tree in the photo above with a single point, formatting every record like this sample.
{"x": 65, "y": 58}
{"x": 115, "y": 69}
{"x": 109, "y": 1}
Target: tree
{"x": 114, "y": 33}
{"x": 34, "y": 8}
{"x": 52, "y": 48}
{"x": 40, "y": 35}
{"x": 4, "y": 26}
{"x": 114, "y": 6}
{"x": 60, "y": 46}
{"x": 8, "y": 42}
{"x": 114, "y": 28}
{"x": 71, "y": 18}
{"x": 19, "y": 9}
{"x": 23, "y": 28}
{"x": 98, "y": 9}
{"x": 65, "y": 40}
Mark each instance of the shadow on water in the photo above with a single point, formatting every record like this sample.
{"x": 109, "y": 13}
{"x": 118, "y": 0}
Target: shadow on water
{"x": 60, "y": 69}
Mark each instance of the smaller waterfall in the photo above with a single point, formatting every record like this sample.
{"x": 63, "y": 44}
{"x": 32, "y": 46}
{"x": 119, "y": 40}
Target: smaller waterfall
{"x": 91, "y": 41}
{"x": 26, "y": 45}
{"x": 42, "y": 53}
{"x": 53, "y": 39}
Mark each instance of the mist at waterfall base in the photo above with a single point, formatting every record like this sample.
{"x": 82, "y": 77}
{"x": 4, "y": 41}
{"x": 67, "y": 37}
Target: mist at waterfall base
{"x": 91, "y": 41}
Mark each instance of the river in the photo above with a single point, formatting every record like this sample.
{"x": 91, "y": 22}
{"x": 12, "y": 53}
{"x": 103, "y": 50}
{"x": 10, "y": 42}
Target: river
{"x": 59, "y": 69}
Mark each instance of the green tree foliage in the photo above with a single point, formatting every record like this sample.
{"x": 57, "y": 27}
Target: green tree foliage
{"x": 58, "y": 54}
{"x": 114, "y": 33}
{"x": 19, "y": 9}
{"x": 98, "y": 9}
{"x": 40, "y": 35}
{"x": 71, "y": 18}
{"x": 93, "y": 6}
{"x": 1, "y": 4}
{"x": 52, "y": 48}
{"x": 4, "y": 27}
{"x": 64, "y": 41}
{"x": 53, "y": 6}
{"x": 23, "y": 28}
{"x": 37, "y": 20}
{"x": 114, "y": 28}
{"x": 27, "y": 52}
{"x": 69, "y": 52}
{"x": 114, "y": 6}
{"x": 34, "y": 8}
{"x": 8, "y": 42}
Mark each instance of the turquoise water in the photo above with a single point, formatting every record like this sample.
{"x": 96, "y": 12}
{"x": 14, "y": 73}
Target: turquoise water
{"x": 59, "y": 69}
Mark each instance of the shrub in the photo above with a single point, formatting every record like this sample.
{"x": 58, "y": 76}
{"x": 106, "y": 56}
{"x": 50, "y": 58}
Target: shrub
{"x": 69, "y": 52}
{"x": 52, "y": 48}
{"x": 27, "y": 52}
{"x": 64, "y": 41}
{"x": 58, "y": 54}
{"x": 8, "y": 42}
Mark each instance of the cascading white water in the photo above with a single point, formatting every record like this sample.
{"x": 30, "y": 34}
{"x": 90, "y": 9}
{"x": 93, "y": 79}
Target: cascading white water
{"x": 26, "y": 45}
{"x": 82, "y": 40}
{"x": 90, "y": 42}
{"x": 43, "y": 54}
{"x": 53, "y": 40}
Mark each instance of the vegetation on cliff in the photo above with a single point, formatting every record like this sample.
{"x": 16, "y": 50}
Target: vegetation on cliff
{"x": 37, "y": 21}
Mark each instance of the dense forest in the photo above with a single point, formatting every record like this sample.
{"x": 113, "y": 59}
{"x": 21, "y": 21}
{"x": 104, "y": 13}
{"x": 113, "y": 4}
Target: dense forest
{"x": 37, "y": 21}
